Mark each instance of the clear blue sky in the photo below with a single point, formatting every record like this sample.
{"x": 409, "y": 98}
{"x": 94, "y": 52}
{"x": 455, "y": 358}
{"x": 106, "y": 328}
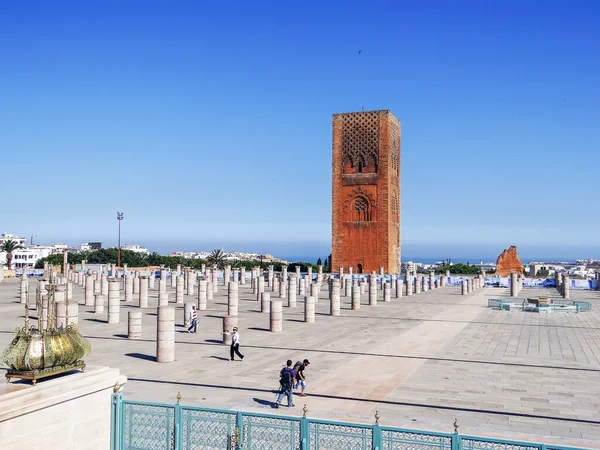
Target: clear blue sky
{"x": 210, "y": 122}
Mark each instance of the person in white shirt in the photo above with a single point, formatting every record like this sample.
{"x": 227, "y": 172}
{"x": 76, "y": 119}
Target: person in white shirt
{"x": 235, "y": 344}
{"x": 193, "y": 319}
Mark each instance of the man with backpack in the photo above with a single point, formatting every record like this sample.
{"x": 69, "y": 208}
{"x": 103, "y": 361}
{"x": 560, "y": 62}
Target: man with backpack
{"x": 300, "y": 378}
{"x": 286, "y": 380}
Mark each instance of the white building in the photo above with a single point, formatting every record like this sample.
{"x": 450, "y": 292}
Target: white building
{"x": 11, "y": 237}
{"x": 136, "y": 249}
{"x": 28, "y": 256}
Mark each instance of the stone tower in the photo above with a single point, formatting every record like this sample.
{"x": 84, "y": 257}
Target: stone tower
{"x": 366, "y": 192}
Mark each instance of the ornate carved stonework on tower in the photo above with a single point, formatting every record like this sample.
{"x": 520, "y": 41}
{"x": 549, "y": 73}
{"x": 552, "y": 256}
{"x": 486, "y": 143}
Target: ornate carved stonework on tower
{"x": 366, "y": 191}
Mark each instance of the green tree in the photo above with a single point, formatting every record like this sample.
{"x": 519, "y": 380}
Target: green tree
{"x": 9, "y": 246}
{"x": 319, "y": 262}
{"x": 216, "y": 258}
{"x": 459, "y": 269}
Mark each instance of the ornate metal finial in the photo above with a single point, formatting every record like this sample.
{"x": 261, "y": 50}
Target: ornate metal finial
{"x": 456, "y": 425}
{"x": 116, "y": 387}
{"x": 377, "y": 416}
{"x": 304, "y": 410}
{"x": 178, "y": 397}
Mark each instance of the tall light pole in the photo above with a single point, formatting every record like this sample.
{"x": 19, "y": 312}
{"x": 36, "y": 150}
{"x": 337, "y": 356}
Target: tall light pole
{"x": 119, "y": 218}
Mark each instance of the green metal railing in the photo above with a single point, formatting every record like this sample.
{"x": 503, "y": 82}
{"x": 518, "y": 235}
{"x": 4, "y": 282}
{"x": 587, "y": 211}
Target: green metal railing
{"x": 156, "y": 426}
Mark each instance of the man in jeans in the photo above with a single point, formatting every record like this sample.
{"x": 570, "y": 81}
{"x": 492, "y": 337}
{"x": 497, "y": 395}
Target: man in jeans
{"x": 300, "y": 378}
{"x": 193, "y": 319}
{"x": 286, "y": 380}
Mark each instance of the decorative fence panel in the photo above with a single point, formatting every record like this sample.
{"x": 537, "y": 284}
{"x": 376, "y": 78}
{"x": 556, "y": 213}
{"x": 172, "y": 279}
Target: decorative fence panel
{"x": 155, "y": 426}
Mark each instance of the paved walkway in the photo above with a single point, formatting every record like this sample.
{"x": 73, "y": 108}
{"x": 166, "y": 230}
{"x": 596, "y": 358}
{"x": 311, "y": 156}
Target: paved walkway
{"x": 421, "y": 361}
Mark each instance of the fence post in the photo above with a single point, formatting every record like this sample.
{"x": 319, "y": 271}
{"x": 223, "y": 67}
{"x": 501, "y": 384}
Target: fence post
{"x": 178, "y": 428}
{"x": 456, "y": 440}
{"x": 304, "y": 430}
{"x": 377, "y": 443}
{"x": 239, "y": 427}
{"x": 116, "y": 418}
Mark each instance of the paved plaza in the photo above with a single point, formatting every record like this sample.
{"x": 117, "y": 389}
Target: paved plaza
{"x": 421, "y": 361}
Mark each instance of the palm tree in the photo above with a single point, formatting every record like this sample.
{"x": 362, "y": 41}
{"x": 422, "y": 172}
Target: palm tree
{"x": 9, "y": 246}
{"x": 216, "y": 258}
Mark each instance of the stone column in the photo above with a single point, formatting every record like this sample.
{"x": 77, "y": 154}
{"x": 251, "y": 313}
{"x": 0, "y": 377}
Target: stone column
{"x": 341, "y": 272}
{"x": 128, "y": 288}
{"x": 173, "y": 280}
{"x": 191, "y": 282}
{"x": 566, "y": 287}
{"x": 226, "y": 275}
{"x": 232, "y": 298}
{"x": 417, "y": 285}
{"x": 187, "y": 310}
{"x": 271, "y": 276}
{"x": 334, "y": 306}
{"x": 372, "y": 292}
{"x": 143, "y": 296}
{"x": 309, "y": 274}
{"x": 363, "y": 284}
{"x": 104, "y": 285}
{"x": 136, "y": 284}
{"x": 178, "y": 288}
{"x": 163, "y": 298}
{"x": 151, "y": 279}
{"x": 228, "y": 323}
{"x": 253, "y": 278}
{"x": 309, "y": 309}
{"x": 302, "y": 287}
{"x": 350, "y": 271}
{"x": 134, "y": 324}
{"x": 261, "y": 287}
{"x": 24, "y": 291}
{"x": 432, "y": 280}
{"x": 425, "y": 283}
{"x": 202, "y": 297}
{"x": 73, "y": 313}
{"x": 356, "y": 297}
{"x": 283, "y": 289}
{"x": 242, "y": 275}
{"x": 215, "y": 281}
{"x": 99, "y": 301}
{"x": 276, "y": 316}
{"x": 399, "y": 287}
{"x": 347, "y": 288}
{"x": 382, "y": 276}
{"x": 464, "y": 289}
{"x": 97, "y": 286}
{"x": 114, "y": 300}
{"x": 292, "y": 291}
{"x": 89, "y": 290}
{"x": 274, "y": 285}
{"x": 284, "y": 274}
{"x": 298, "y": 276}
{"x": 387, "y": 292}
{"x": 265, "y": 302}
{"x": 165, "y": 334}
{"x": 442, "y": 281}
{"x": 514, "y": 284}
{"x": 209, "y": 291}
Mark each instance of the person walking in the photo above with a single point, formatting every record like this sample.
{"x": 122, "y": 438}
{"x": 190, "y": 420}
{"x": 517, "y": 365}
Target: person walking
{"x": 300, "y": 377}
{"x": 193, "y": 319}
{"x": 286, "y": 380}
{"x": 235, "y": 344}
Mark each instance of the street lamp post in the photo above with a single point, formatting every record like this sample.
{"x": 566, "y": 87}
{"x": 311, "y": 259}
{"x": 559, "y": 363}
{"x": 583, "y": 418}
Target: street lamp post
{"x": 119, "y": 218}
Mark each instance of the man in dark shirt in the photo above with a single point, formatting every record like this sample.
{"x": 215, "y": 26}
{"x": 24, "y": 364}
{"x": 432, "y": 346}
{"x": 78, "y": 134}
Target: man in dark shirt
{"x": 300, "y": 378}
{"x": 286, "y": 380}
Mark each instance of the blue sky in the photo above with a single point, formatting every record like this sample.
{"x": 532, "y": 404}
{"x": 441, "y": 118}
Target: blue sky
{"x": 210, "y": 122}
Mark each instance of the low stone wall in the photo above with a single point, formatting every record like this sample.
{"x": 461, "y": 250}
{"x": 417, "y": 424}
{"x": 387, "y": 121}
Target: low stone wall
{"x": 68, "y": 412}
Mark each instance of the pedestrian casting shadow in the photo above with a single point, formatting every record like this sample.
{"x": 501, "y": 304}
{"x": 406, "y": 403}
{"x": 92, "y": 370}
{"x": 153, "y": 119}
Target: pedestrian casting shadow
{"x": 184, "y": 331}
{"x": 124, "y": 336}
{"x": 97, "y": 320}
{"x": 220, "y": 358}
{"x": 141, "y": 356}
{"x": 260, "y": 401}
{"x": 213, "y": 341}
{"x": 259, "y": 329}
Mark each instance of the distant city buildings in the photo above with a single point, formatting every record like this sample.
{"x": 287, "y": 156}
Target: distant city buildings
{"x": 136, "y": 249}
{"x": 29, "y": 254}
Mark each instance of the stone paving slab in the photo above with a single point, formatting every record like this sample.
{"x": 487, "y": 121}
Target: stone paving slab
{"x": 421, "y": 361}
